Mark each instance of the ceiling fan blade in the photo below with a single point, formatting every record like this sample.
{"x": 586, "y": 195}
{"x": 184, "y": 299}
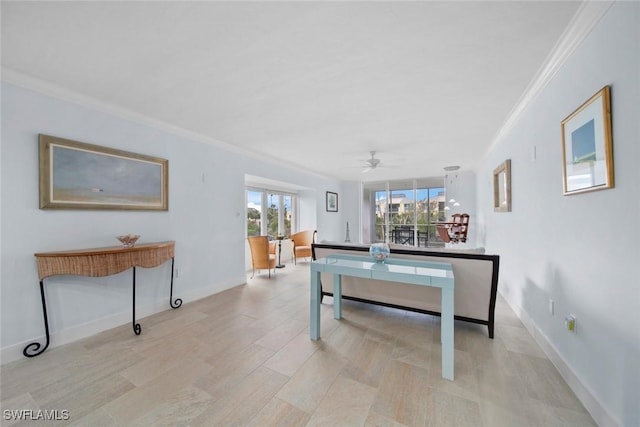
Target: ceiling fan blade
{"x": 365, "y": 170}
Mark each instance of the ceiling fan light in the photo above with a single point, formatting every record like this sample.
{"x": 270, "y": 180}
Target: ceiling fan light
{"x": 371, "y": 163}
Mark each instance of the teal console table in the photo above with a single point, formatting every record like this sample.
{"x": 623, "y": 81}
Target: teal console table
{"x": 420, "y": 273}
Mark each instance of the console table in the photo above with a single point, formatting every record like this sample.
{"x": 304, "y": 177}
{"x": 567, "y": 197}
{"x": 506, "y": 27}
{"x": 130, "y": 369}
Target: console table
{"x": 421, "y": 273}
{"x": 101, "y": 262}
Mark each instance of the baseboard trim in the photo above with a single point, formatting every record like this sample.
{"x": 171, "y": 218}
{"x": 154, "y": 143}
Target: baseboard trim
{"x": 595, "y": 408}
{"x": 13, "y": 352}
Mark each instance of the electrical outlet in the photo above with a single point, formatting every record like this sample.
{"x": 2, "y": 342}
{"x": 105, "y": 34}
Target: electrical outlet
{"x": 551, "y": 307}
{"x": 570, "y": 323}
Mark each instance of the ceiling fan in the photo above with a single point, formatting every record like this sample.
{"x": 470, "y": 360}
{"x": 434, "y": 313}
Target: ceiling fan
{"x": 372, "y": 163}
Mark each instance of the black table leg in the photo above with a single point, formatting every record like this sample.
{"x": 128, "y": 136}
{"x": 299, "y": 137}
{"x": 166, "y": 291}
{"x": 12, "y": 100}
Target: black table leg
{"x": 33, "y": 349}
{"x": 178, "y": 301}
{"x": 136, "y": 326}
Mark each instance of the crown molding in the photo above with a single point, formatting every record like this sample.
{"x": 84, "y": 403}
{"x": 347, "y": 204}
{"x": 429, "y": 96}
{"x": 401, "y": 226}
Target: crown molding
{"x": 17, "y": 78}
{"x": 585, "y": 19}
{"x": 46, "y": 88}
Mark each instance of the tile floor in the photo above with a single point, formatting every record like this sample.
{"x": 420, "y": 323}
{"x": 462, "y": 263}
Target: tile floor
{"x": 243, "y": 357}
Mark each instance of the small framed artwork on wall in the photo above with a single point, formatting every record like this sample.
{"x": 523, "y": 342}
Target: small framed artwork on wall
{"x": 587, "y": 146}
{"x": 502, "y": 187}
{"x": 332, "y": 202}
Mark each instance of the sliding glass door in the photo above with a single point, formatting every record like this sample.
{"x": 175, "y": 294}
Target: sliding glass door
{"x": 429, "y": 210}
{"x": 405, "y": 212}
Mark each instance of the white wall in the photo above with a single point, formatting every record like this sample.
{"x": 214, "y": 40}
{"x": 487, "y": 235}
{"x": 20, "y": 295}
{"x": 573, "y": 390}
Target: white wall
{"x": 350, "y": 207}
{"x": 582, "y": 251}
{"x": 205, "y": 218}
{"x": 308, "y": 209}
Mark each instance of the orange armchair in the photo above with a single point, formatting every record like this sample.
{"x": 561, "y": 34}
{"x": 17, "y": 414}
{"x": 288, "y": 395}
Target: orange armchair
{"x": 301, "y": 242}
{"x": 262, "y": 254}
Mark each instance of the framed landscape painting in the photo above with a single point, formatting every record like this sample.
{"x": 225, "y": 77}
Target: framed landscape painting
{"x": 76, "y": 175}
{"x": 587, "y": 146}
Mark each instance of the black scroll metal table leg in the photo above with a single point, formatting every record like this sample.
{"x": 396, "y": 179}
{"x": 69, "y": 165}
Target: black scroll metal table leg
{"x": 136, "y": 326}
{"x": 178, "y": 301}
{"x": 33, "y": 349}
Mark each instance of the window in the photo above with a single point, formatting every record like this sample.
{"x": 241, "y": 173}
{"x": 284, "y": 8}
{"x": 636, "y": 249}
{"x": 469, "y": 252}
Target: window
{"x": 429, "y": 209}
{"x": 269, "y": 212}
{"x": 381, "y": 208}
{"x": 273, "y": 214}
{"x": 254, "y": 212}
{"x": 287, "y": 200}
{"x": 405, "y": 212}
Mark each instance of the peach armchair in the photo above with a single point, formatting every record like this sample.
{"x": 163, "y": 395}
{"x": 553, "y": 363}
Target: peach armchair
{"x": 301, "y": 242}
{"x": 262, "y": 254}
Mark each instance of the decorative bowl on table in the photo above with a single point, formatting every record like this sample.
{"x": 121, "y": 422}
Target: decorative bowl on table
{"x": 128, "y": 240}
{"x": 379, "y": 251}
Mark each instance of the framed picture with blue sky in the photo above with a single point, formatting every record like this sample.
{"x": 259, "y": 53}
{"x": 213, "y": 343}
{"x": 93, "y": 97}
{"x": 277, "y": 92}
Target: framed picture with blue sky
{"x": 587, "y": 146}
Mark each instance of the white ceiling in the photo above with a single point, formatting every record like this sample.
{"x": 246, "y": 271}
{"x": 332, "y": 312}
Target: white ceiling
{"x": 316, "y": 84}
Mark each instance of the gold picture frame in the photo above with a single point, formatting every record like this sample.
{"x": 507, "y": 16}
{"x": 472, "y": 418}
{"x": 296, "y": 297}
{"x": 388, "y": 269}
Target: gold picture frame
{"x": 502, "y": 187}
{"x": 587, "y": 146}
{"x": 76, "y": 175}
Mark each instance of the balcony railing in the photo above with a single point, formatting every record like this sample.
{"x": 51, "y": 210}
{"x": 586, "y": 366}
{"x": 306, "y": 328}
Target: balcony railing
{"x": 424, "y": 236}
